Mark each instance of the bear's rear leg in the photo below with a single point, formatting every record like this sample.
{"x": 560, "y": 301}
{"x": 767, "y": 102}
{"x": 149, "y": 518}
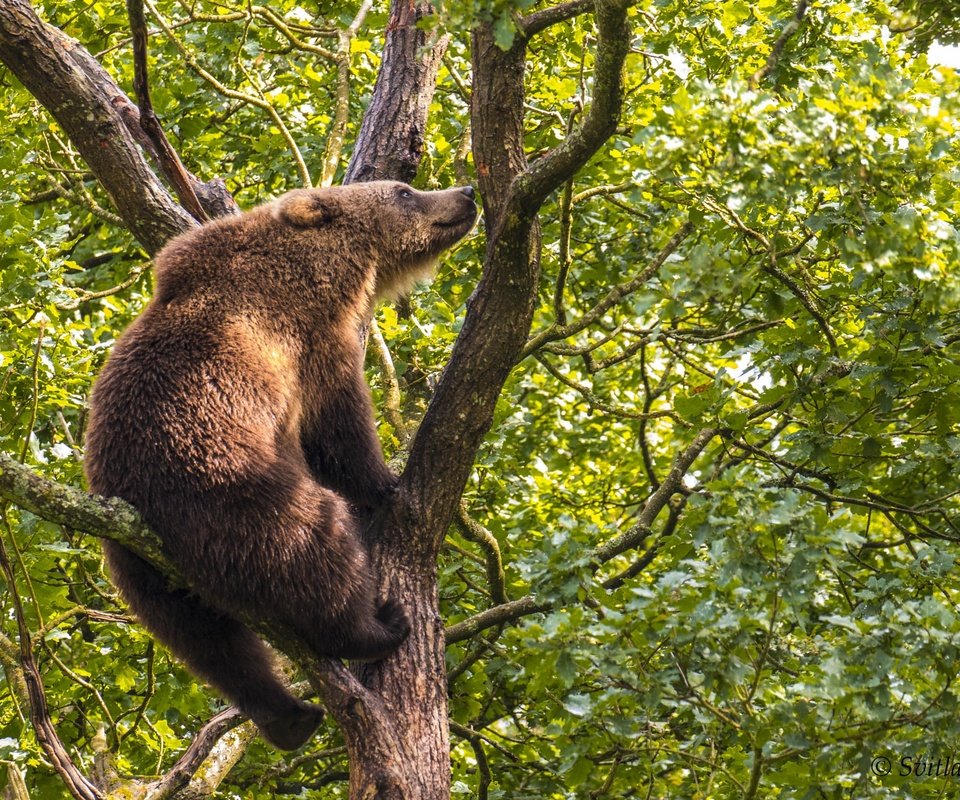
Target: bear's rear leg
{"x": 217, "y": 648}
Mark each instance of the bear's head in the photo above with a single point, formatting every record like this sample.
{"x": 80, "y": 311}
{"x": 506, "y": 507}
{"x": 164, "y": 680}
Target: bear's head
{"x": 405, "y": 228}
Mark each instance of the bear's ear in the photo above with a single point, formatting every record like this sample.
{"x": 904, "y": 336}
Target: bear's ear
{"x": 309, "y": 208}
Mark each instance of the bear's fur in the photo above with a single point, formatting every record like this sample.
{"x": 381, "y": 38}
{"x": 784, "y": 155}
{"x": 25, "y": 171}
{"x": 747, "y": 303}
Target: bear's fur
{"x": 234, "y": 415}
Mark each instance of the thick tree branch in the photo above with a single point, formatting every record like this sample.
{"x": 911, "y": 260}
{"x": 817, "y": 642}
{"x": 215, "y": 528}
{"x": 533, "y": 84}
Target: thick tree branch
{"x": 390, "y": 142}
{"x": 497, "y": 615}
{"x": 193, "y": 757}
{"x": 532, "y": 24}
{"x": 224, "y": 754}
{"x": 108, "y": 518}
{"x": 84, "y": 100}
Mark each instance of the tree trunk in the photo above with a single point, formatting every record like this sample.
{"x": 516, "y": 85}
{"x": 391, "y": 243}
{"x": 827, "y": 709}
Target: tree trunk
{"x": 390, "y": 143}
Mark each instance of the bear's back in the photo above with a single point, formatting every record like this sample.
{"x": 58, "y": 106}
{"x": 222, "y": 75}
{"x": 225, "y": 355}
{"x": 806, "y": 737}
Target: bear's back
{"x": 249, "y": 320}
{"x": 203, "y": 383}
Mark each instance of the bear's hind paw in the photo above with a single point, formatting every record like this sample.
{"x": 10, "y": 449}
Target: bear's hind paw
{"x": 291, "y": 731}
{"x": 392, "y": 616}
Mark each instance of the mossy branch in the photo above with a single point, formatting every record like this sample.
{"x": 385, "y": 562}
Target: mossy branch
{"x": 108, "y": 518}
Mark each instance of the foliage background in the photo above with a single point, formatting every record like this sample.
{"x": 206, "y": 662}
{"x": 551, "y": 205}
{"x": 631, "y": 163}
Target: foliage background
{"x": 796, "y": 616}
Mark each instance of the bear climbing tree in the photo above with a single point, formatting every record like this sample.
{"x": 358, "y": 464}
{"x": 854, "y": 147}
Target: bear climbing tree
{"x": 233, "y": 414}
{"x": 395, "y": 728}
{"x": 674, "y": 431}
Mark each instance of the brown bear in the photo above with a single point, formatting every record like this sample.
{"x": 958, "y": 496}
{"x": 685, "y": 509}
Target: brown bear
{"x": 234, "y": 415}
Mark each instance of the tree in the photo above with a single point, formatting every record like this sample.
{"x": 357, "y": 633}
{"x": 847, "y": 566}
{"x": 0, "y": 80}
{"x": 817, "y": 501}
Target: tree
{"x": 684, "y": 498}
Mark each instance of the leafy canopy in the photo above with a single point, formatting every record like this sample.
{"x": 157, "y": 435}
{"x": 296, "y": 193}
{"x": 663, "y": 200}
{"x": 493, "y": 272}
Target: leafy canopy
{"x": 792, "y": 615}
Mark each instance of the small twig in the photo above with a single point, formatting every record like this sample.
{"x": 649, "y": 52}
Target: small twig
{"x": 474, "y": 653}
{"x": 85, "y": 684}
{"x": 84, "y": 296}
{"x": 473, "y": 531}
{"x": 614, "y": 296}
{"x": 36, "y": 395}
{"x": 147, "y": 695}
{"x": 338, "y": 129}
{"x": 788, "y": 31}
{"x": 603, "y": 405}
{"x": 566, "y": 234}
{"x": 604, "y": 789}
{"x": 772, "y": 268}
{"x": 392, "y": 398}
{"x": 167, "y": 157}
{"x": 260, "y": 102}
{"x": 274, "y": 19}
{"x": 605, "y": 191}
{"x": 483, "y": 766}
{"x": 462, "y": 88}
{"x": 77, "y": 193}
{"x": 655, "y": 503}
{"x": 646, "y": 558}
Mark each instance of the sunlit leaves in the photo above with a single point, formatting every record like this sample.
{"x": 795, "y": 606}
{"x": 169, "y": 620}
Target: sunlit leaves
{"x": 794, "y": 612}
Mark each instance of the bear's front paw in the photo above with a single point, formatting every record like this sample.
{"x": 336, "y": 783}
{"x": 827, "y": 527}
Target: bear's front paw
{"x": 387, "y": 487}
{"x": 374, "y": 494}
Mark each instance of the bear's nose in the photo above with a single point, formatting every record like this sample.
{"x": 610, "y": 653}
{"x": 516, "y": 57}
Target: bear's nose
{"x": 468, "y": 191}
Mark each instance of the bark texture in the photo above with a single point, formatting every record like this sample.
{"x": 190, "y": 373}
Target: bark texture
{"x": 390, "y": 142}
{"x": 406, "y": 751}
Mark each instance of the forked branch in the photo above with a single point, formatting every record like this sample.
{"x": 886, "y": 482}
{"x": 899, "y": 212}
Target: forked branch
{"x": 600, "y": 121}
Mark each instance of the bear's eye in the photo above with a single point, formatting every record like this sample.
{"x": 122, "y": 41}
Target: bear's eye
{"x": 406, "y": 194}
